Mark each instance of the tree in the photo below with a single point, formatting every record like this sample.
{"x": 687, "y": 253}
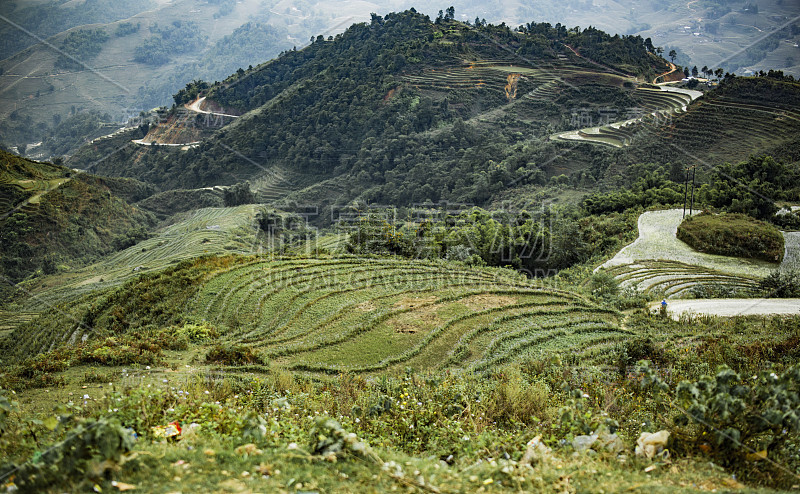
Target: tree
{"x": 450, "y": 13}
{"x": 648, "y": 44}
{"x": 694, "y": 71}
{"x": 659, "y": 51}
{"x": 705, "y": 70}
{"x": 719, "y": 72}
{"x": 672, "y": 55}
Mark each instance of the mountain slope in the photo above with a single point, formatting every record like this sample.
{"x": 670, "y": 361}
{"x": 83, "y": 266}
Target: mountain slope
{"x": 50, "y": 215}
{"x": 386, "y": 97}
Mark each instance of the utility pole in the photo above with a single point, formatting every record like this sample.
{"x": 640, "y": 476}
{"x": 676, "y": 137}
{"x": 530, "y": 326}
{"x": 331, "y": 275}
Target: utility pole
{"x": 691, "y": 205}
{"x": 685, "y": 191}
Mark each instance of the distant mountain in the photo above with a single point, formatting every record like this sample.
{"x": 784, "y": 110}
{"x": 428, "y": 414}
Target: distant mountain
{"x": 71, "y": 82}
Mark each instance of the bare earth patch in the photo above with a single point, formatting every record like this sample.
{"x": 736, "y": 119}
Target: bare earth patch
{"x": 367, "y": 306}
{"x": 421, "y": 319}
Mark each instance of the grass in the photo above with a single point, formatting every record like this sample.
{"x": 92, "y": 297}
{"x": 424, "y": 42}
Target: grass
{"x": 207, "y": 231}
{"x": 732, "y": 234}
{"x": 326, "y": 315}
{"x": 455, "y": 431}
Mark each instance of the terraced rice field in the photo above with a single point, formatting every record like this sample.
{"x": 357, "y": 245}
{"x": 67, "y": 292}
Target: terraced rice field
{"x": 11, "y": 319}
{"x": 368, "y": 315}
{"x": 675, "y": 279}
{"x": 739, "y": 126}
{"x": 271, "y": 185}
{"x": 332, "y": 243}
{"x": 208, "y": 231}
{"x": 500, "y": 76}
{"x": 655, "y": 104}
{"x": 35, "y": 190}
{"x": 657, "y": 261}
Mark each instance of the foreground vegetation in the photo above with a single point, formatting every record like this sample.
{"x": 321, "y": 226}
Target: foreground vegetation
{"x": 731, "y": 427}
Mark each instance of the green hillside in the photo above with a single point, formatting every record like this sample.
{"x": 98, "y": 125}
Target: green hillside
{"x": 332, "y": 315}
{"x": 366, "y": 104}
{"x": 52, "y": 216}
{"x": 414, "y": 111}
{"x": 417, "y": 255}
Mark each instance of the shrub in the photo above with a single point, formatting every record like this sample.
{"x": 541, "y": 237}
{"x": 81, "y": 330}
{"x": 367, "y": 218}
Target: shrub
{"x": 628, "y": 353}
{"x": 516, "y": 400}
{"x": 233, "y": 355}
{"x": 730, "y": 417}
{"x": 732, "y": 234}
{"x": 781, "y": 284}
{"x": 123, "y": 351}
{"x": 195, "y": 333}
{"x": 92, "y": 443}
{"x": 603, "y": 286}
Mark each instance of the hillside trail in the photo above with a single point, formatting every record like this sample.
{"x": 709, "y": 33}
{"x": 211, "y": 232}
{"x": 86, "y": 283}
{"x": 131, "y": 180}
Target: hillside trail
{"x": 195, "y": 107}
{"x": 36, "y": 197}
{"x": 672, "y": 69}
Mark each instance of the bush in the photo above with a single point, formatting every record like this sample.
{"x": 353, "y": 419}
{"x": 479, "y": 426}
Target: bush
{"x": 730, "y": 417}
{"x": 99, "y": 443}
{"x": 732, "y": 234}
{"x": 122, "y": 351}
{"x": 195, "y": 333}
{"x": 516, "y": 400}
{"x": 233, "y": 355}
{"x": 781, "y": 284}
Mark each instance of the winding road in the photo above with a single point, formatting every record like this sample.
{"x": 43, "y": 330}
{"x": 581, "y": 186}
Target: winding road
{"x": 658, "y": 240}
{"x": 195, "y": 107}
{"x": 673, "y": 68}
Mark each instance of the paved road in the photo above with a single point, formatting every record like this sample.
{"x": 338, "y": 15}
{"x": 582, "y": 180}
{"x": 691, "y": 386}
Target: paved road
{"x": 733, "y": 306}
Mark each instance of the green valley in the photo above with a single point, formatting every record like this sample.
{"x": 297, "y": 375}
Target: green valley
{"x": 417, "y": 254}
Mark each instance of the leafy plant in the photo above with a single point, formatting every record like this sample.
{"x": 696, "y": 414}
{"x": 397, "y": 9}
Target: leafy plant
{"x": 733, "y": 418}
{"x": 89, "y": 449}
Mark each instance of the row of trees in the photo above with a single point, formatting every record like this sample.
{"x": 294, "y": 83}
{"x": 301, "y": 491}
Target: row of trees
{"x": 538, "y": 244}
{"x": 751, "y": 187}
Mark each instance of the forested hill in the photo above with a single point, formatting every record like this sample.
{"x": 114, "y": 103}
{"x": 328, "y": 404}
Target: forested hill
{"x": 405, "y": 42}
{"x": 53, "y": 217}
{"x": 400, "y": 94}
